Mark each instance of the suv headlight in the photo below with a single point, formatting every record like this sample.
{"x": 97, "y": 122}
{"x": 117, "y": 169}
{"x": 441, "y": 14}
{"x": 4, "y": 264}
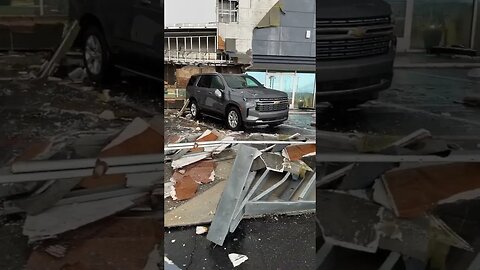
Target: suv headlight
{"x": 250, "y": 103}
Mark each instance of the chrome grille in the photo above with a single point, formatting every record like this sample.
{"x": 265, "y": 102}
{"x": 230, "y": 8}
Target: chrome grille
{"x": 272, "y": 104}
{"x": 353, "y": 38}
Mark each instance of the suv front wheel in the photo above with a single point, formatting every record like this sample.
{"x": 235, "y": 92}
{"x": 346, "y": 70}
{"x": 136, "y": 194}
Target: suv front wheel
{"x": 96, "y": 55}
{"x": 234, "y": 119}
{"x": 194, "y": 110}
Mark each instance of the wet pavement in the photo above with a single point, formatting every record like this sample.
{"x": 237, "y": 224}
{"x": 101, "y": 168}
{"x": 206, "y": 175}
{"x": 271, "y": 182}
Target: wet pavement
{"x": 279, "y": 242}
{"x": 418, "y": 98}
{"x": 298, "y": 122}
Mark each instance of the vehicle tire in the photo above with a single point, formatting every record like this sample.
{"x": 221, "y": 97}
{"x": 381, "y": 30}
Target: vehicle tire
{"x": 234, "y": 119}
{"x": 96, "y": 55}
{"x": 194, "y": 110}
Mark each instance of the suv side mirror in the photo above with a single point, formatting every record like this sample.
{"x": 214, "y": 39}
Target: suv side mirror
{"x": 218, "y": 93}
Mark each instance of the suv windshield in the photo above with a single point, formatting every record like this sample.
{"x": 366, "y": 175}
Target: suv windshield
{"x": 243, "y": 81}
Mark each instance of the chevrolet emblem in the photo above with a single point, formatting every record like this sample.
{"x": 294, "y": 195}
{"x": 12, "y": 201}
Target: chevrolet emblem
{"x": 276, "y": 102}
{"x": 358, "y": 32}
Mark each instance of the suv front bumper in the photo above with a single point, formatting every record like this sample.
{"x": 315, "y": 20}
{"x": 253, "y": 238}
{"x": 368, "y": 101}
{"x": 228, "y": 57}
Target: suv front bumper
{"x": 354, "y": 78}
{"x": 253, "y": 117}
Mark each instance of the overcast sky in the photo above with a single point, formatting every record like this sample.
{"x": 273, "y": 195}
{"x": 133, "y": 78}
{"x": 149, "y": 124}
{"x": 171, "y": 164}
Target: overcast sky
{"x": 189, "y": 11}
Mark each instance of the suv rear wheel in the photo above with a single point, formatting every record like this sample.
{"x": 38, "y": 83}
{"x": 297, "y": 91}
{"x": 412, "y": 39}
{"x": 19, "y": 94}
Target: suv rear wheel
{"x": 234, "y": 119}
{"x": 96, "y": 55}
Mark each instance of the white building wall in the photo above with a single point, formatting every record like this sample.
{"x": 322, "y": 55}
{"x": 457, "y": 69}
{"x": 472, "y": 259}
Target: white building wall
{"x": 251, "y": 12}
{"x": 198, "y": 12}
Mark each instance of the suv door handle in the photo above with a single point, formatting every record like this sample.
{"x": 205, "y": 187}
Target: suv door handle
{"x": 146, "y": 2}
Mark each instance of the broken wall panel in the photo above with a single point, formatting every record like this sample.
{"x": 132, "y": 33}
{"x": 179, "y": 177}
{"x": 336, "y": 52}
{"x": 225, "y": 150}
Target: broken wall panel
{"x": 104, "y": 245}
{"x": 417, "y": 190}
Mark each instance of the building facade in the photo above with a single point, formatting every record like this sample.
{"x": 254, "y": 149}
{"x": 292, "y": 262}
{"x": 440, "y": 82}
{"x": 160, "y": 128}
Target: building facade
{"x": 272, "y": 40}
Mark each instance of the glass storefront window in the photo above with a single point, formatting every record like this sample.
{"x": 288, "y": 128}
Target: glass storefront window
{"x": 399, "y": 10}
{"x": 300, "y": 87}
{"x": 441, "y": 23}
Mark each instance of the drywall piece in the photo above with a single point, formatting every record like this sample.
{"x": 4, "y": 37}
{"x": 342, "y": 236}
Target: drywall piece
{"x": 138, "y": 138}
{"x": 237, "y": 259}
{"x": 71, "y": 164}
{"x": 60, "y": 219}
{"x": 221, "y": 148}
{"x": 226, "y": 207}
{"x": 102, "y": 194}
{"x": 266, "y": 208}
{"x": 416, "y": 190}
{"x": 144, "y": 179}
{"x": 362, "y": 175}
{"x": 196, "y": 211}
{"x": 338, "y": 141}
{"x": 37, "y": 203}
{"x": 380, "y": 194}
{"x": 201, "y": 172}
{"x": 90, "y": 146}
{"x": 184, "y": 188}
{"x": 66, "y": 174}
{"x": 412, "y": 138}
{"x": 113, "y": 243}
{"x": 348, "y": 221}
{"x": 413, "y": 237}
{"x": 187, "y": 160}
{"x": 297, "y": 152}
{"x": 408, "y": 237}
{"x": 329, "y": 178}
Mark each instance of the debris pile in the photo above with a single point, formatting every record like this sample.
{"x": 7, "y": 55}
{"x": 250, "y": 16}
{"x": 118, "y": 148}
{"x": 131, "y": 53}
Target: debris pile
{"x": 367, "y": 206}
{"x": 99, "y": 205}
{"x": 269, "y": 175}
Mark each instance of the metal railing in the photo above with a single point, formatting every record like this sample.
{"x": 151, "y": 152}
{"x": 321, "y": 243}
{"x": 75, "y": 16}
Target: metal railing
{"x": 193, "y": 50}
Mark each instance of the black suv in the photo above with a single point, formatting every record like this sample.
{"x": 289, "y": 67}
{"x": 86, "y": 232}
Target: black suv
{"x": 238, "y": 98}
{"x": 125, "y": 34}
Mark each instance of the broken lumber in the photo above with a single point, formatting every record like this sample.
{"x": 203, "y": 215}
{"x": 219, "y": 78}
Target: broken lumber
{"x": 58, "y": 165}
{"x": 65, "y": 174}
{"x": 66, "y": 44}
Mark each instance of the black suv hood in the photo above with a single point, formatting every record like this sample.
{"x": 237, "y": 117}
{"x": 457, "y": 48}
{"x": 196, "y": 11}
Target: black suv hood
{"x": 263, "y": 93}
{"x": 350, "y": 9}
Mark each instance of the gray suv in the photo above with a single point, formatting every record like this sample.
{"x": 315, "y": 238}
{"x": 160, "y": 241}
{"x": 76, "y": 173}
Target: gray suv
{"x": 238, "y": 98}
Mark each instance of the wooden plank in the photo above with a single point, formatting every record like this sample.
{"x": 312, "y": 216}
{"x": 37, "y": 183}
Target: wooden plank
{"x": 66, "y": 44}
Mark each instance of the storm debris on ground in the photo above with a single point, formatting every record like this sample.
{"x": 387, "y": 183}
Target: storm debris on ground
{"x": 89, "y": 201}
{"x": 397, "y": 206}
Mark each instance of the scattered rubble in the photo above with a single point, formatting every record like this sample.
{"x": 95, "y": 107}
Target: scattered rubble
{"x": 237, "y": 259}
{"x": 68, "y": 201}
{"x": 368, "y": 206}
